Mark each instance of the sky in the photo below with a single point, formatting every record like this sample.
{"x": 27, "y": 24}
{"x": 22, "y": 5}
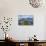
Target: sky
{"x": 25, "y": 16}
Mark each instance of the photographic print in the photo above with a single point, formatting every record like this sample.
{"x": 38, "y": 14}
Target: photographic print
{"x": 25, "y": 20}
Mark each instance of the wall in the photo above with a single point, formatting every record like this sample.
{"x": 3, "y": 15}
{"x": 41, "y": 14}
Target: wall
{"x": 12, "y": 8}
{"x": 24, "y": 32}
{"x": 45, "y": 29}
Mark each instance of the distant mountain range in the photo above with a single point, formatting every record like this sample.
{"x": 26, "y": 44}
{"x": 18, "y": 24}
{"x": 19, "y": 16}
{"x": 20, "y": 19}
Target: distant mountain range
{"x": 29, "y": 19}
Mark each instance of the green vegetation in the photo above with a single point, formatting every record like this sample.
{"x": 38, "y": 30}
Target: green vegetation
{"x": 25, "y": 23}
